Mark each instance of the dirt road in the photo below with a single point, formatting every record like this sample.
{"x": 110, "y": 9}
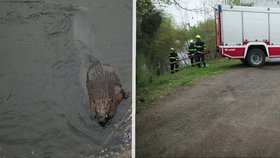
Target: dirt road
{"x": 234, "y": 114}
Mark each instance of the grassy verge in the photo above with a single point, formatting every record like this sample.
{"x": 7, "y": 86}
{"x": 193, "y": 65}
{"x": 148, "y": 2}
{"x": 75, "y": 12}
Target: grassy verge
{"x": 168, "y": 83}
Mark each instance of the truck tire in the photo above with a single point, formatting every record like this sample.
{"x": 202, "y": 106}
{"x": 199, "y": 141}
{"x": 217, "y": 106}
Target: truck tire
{"x": 256, "y": 58}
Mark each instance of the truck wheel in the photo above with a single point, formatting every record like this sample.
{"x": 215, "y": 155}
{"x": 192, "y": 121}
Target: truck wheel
{"x": 256, "y": 58}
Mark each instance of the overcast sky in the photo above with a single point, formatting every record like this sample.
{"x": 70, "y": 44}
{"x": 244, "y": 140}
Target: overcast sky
{"x": 181, "y": 15}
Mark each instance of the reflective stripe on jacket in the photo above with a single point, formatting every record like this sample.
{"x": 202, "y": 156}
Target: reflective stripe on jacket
{"x": 192, "y": 49}
{"x": 173, "y": 56}
{"x": 199, "y": 45}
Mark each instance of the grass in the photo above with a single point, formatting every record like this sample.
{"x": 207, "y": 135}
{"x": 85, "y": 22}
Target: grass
{"x": 168, "y": 83}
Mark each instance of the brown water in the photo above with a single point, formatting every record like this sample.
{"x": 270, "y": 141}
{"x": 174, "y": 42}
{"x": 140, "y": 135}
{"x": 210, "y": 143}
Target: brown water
{"x": 44, "y": 50}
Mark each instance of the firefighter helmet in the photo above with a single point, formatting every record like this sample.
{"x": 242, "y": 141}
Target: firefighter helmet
{"x": 172, "y": 49}
{"x": 191, "y": 41}
{"x": 197, "y": 36}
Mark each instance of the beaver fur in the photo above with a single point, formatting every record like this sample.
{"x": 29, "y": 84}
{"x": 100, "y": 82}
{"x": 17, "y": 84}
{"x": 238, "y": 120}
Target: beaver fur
{"x": 105, "y": 92}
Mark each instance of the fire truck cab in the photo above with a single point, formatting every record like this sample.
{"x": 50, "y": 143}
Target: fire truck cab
{"x": 248, "y": 33}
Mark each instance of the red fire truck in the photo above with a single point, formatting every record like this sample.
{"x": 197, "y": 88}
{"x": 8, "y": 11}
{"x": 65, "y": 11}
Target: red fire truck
{"x": 250, "y": 34}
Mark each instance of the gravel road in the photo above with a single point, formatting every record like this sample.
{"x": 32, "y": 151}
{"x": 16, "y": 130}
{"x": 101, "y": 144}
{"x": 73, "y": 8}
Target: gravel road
{"x": 233, "y": 114}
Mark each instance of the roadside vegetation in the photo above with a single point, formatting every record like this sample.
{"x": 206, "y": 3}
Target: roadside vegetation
{"x": 157, "y": 33}
{"x": 168, "y": 83}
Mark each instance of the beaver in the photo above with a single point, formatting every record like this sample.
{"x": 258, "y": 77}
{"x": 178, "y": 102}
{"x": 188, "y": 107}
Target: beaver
{"x": 105, "y": 92}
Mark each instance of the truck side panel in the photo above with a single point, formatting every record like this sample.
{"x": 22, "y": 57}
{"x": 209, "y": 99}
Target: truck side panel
{"x": 274, "y": 52}
{"x": 255, "y": 26}
{"x": 234, "y": 52}
{"x": 275, "y": 29}
{"x": 232, "y": 28}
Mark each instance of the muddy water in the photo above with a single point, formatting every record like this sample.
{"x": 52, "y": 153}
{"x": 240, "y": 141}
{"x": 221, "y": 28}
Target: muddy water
{"x": 45, "y": 48}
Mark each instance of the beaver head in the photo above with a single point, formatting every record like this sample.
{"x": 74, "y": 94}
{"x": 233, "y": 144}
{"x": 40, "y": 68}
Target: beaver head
{"x": 103, "y": 110}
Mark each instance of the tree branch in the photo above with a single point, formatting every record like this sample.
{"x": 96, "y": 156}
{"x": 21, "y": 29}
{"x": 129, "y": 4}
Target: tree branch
{"x": 182, "y": 7}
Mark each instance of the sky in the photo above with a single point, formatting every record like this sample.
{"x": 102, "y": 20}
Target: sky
{"x": 182, "y": 16}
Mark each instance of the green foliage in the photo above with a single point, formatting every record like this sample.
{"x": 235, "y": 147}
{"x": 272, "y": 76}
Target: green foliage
{"x": 161, "y": 81}
{"x": 142, "y": 75}
{"x": 169, "y": 83}
{"x": 238, "y": 3}
{"x": 144, "y": 7}
{"x": 207, "y": 32}
{"x": 156, "y": 33}
{"x": 150, "y": 23}
{"x": 148, "y": 18}
{"x": 167, "y": 36}
{"x": 155, "y": 50}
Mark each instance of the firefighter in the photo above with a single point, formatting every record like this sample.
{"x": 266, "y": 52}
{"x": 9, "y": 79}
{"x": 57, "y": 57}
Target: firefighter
{"x": 200, "y": 48}
{"x": 173, "y": 58}
{"x": 192, "y": 51}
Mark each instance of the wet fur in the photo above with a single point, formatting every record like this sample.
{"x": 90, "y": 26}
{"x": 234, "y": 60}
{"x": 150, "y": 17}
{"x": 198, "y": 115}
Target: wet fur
{"x": 104, "y": 90}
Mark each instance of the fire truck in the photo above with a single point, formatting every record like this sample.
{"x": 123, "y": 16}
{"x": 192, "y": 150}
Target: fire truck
{"x": 251, "y": 34}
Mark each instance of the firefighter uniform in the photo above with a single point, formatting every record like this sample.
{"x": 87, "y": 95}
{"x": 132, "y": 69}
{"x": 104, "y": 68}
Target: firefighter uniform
{"x": 192, "y": 51}
{"x": 200, "y": 47}
{"x": 173, "y": 58}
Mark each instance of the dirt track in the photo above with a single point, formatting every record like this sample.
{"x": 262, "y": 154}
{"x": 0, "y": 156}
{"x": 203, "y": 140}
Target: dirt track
{"x": 234, "y": 114}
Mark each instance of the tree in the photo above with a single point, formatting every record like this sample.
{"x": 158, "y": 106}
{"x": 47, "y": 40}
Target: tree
{"x": 150, "y": 23}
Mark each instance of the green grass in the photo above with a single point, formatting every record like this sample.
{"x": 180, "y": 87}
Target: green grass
{"x": 168, "y": 83}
